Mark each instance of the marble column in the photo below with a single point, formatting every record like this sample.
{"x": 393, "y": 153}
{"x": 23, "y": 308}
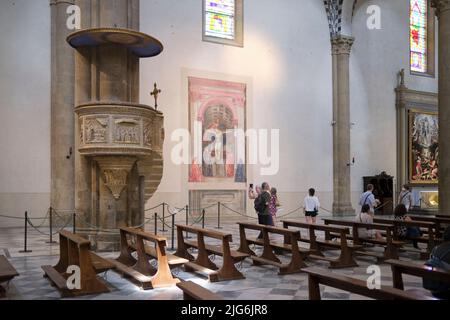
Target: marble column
{"x": 341, "y": 47}
{"x": 443, "y": 13}
{"x": 62, "y": 116}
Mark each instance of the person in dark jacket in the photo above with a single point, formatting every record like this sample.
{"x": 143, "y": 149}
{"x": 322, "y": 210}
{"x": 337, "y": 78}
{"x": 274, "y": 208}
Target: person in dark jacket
{"x": 440, "y": 258}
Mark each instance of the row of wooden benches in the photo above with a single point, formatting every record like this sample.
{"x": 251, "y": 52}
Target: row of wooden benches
{"x": 75, "y": 250}
{"x": 318, "y": 276}
{"x": 349, "y": 244}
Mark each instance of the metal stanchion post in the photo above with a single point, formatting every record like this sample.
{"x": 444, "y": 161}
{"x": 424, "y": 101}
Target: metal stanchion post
{"x": 74, "y": 222}
{"x": 156, "y": 223}
{"x": 218, "y": 215}
{"x": 203, "y": 218}
{"x": 51, "y": 226}
{"x": 173, "y": 231}
{"x": 163, "y": 216}
{"x": 25, "y": 249}
{"x": 187, "y": 221}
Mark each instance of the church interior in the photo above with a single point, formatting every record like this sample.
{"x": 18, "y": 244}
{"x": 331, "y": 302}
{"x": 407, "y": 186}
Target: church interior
{"x": 224, "y": 150}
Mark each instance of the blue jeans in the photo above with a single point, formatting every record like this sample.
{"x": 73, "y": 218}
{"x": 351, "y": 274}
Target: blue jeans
{"x": 265, "y": 220}
{"x": 412, "y": 232}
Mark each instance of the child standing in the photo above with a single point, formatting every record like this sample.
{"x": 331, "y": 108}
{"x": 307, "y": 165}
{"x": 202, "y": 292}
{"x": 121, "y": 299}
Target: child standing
{"x": 311, "y": 206}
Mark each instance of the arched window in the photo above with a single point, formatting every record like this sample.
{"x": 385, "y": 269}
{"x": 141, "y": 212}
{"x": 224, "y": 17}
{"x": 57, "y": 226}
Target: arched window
{"x": 421, "y": 35}
{"x": 223, "y": 21}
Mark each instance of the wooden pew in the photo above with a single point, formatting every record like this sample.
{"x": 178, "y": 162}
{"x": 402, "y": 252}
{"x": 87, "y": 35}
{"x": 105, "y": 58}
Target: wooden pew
{"x": 440, "y": 223}
{"x": 268, "y": 255}
{"x": 429, "y": 239}
{"x": 390, "y": 245}
{"x": 402, "y": 267}
{"x": 202, "y": 263}
{"x": 346, "y": 257}
{"x": 317, "y": 276}
{"x": 75, "y": 251}
{"x": 7, "y": 273}
{"x": 192, "y": 291}
{"x": 140, "y": 270}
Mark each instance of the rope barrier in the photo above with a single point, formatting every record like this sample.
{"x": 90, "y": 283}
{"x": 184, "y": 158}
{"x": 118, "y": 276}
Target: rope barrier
{"x": 159, "y": 205}
{"x": 10, "y": 217}
{"x": 48, "y": 234}
{"x": 289, "y": 213}
{"x": 197, "y": 209}
{"x": 164, "y": 223}
{"x": 244, "y": 215}
{"x": 326, "y": 210}
{"x": 197, "y": 221}
{"x": 173, "y": 214}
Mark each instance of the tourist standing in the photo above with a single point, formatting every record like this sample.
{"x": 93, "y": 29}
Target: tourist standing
{"x": 273, "y": 204}
{"x": 369, "y": 199}
{"x": 262, "y": 206}
{"x": 311, "y": 206}
{"x": 405, "y": 197}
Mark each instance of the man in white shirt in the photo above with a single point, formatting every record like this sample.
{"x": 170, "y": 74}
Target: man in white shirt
{"x": 368, "y": 198}
{"x": 311, "y": 206}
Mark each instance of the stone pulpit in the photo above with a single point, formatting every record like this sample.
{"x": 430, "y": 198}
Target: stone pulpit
{"x": 119, "y": 142}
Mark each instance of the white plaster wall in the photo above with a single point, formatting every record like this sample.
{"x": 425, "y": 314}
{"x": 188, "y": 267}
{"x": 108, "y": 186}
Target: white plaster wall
{"x": 377, "y": 57}
{"x": 287, "y": 58}
{"x": 24, "y": 108}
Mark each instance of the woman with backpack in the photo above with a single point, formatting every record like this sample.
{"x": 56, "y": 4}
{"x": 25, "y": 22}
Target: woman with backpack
{"x": 262, "y": 201}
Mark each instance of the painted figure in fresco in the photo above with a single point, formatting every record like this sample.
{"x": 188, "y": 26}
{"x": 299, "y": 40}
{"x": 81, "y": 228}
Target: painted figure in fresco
{"x": 240, "y": 172}
{"x": 418, "y": 168}
{"x": 213, "y": 153}
{"x": 196, "y": 173}
{"x": 230, "y": 164}
{"x": 425, "y": 147}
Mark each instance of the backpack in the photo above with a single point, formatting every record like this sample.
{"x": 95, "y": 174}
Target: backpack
{"x": 260, "y": 206}
{"x": 437, "y": 286}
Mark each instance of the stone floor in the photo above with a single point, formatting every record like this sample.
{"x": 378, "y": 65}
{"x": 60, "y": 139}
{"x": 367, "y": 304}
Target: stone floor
{"x": 261, "y": 283}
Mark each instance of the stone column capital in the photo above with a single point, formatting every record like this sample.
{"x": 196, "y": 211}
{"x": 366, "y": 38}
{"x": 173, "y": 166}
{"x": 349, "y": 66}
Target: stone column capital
{"x": 441, "y": 6}
{"x": 342, "y": 44}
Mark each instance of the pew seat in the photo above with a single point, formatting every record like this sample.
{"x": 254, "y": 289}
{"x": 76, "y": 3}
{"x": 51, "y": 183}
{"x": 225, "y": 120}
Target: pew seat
{"x": 7, "y": 273}
{"x": 192, "y": 291}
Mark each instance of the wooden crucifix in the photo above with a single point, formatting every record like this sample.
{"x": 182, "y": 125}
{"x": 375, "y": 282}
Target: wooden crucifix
{"x": 155, "y": 93}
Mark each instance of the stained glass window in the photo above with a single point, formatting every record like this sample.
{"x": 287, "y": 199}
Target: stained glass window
{"x": 419, "y": 35}
{"x": 220, "y": 18}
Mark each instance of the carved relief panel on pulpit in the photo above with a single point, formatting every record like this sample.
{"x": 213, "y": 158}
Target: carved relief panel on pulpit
{"x": 96, "y": 129}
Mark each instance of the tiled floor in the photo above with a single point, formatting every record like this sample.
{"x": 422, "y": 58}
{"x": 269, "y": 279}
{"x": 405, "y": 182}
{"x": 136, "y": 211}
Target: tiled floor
{"x": 261, "y": 283}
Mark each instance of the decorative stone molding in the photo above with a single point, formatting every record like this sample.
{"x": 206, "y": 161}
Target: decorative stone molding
{"x": 113, "y": 128}
{"x": 333, "y": 9}
{"x": 115, "y": 172}
{"x": 441, "y": 6}
{"x": 148, "y": 136}
{"x": 116, "y": 181}
{"x": 95, "y": 129}
{"x": 127, "y": 131}
{"x": 341, "y": 45}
